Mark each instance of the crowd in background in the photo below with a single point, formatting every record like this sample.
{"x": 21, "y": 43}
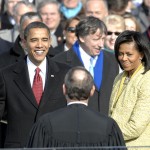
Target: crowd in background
{"x": 136, "y": 15}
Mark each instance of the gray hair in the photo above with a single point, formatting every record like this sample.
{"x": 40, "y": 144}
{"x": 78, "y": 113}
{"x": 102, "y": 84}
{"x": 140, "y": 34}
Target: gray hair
{"x": 26, "y": 16}
{"x": 105, "y": 3}
{"x": 6, "y": 1}
{"x": 46, "y": 2}
{"x": 26, "y": 3}
{"x": 89, "y": 25}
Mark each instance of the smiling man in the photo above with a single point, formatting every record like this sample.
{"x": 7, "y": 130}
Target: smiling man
{"x": 30, "y": 87}
{"x": 37, "y": 43}
{"x": 88, "y": 52}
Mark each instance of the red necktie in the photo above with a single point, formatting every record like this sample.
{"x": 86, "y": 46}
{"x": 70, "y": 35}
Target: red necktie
{"x": 37, "y": 86}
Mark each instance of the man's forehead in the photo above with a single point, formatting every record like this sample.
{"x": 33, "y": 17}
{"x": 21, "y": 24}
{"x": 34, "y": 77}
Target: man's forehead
{"x": 36, "y": 31}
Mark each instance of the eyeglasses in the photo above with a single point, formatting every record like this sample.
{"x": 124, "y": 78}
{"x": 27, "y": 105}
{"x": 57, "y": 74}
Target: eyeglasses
{"x": 71, "y": 29}
{"x": 110, "y": 33}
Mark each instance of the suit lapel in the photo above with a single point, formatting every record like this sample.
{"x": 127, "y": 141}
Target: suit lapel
{"x": 51, "y": 79}
{"x": 23, "y": 82}
{"x": 72, "y": 59}
{"x": 105, "y": 73}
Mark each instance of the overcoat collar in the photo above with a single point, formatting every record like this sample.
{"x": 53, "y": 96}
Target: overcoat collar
{"x": 23, "y": 82}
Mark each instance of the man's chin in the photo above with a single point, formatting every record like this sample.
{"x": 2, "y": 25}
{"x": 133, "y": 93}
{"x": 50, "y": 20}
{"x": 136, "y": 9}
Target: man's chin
{"x": 97, "y": 52}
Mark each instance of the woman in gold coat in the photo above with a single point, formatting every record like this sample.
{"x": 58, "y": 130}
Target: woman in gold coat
{"x": 130, "y": 98}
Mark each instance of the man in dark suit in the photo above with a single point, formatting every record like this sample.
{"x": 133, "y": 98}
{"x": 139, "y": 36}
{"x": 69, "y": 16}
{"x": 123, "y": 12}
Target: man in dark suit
{"x": 17, "y": 52}
{"x": 76, "y": 125}
{"x": 17, "y": 81}
{"x": 14, "y": 54}
{"x": 91, "y": 33}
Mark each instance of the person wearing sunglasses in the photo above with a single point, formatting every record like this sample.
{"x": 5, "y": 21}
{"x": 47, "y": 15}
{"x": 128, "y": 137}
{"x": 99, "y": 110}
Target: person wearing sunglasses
{"x": 115, "y": 25}
{"x": 69, "y": 36}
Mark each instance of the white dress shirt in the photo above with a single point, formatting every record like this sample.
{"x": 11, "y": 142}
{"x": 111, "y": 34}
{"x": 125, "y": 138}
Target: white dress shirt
{"x": 86, "y": 58}
{"x": 76, "y": 102}
{"x": 31, "y": 70}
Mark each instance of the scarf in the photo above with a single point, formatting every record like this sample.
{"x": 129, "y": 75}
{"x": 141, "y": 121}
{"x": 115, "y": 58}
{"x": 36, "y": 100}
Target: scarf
{"x": 70, "y": 12}
{"x": 98, "y": 69}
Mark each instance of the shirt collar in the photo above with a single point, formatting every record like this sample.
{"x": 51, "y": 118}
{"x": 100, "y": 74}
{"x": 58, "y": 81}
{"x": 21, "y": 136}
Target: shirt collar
{"x": 65, "y": 47}
{"x": 42, "y": 66}
{"x": 84, "y": 55}
{"x": 77, "y": 102}
{"x": 86, "y": 58}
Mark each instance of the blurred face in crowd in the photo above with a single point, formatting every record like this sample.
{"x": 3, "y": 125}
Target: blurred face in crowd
{"x": 50, "y": 15}
{"x": 21, "y": 10}
{"x": 96, "y": 8}
{"x": 112, "y": 33}
{"x": 130, "y": 24}
{"x": 147, "y": 3}
{"x": 129, "y": 57}
{"x": 69, "y": 33}
{"x": 71, "y": 3}
{"x": 37, "y": 45}
{"x": 10, "y": 4}
{"x": 93, "y": 43}
{"x": 26, "y": 23}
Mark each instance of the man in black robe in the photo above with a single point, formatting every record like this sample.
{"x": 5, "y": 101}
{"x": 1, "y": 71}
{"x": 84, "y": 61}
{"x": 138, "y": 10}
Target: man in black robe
{"x": 76, "y": 125}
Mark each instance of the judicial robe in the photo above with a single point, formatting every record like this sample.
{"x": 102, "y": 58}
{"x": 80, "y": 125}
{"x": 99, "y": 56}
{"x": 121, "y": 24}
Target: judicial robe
{"x": 75, "y": 126}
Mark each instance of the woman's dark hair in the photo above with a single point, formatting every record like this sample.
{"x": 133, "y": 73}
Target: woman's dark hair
{"x": 141, "y": 44}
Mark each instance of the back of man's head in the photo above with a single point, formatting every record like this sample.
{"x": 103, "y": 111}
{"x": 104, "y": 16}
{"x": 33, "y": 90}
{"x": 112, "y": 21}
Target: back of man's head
{"x": 78, "y": 84}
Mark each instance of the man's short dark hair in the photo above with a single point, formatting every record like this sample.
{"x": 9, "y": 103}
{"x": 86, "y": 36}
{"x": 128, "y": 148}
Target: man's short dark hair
{"x": 35, "y": 25}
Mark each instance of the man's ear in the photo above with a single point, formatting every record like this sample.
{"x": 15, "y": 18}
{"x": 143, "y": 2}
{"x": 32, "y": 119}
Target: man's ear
{"x": 64, "y": 89}
{"x": 81, "y": 39}
{"x": 92, "y": 90}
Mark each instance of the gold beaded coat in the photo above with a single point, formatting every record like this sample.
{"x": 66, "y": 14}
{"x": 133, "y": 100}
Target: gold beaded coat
{"x": 131, "y": 109}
